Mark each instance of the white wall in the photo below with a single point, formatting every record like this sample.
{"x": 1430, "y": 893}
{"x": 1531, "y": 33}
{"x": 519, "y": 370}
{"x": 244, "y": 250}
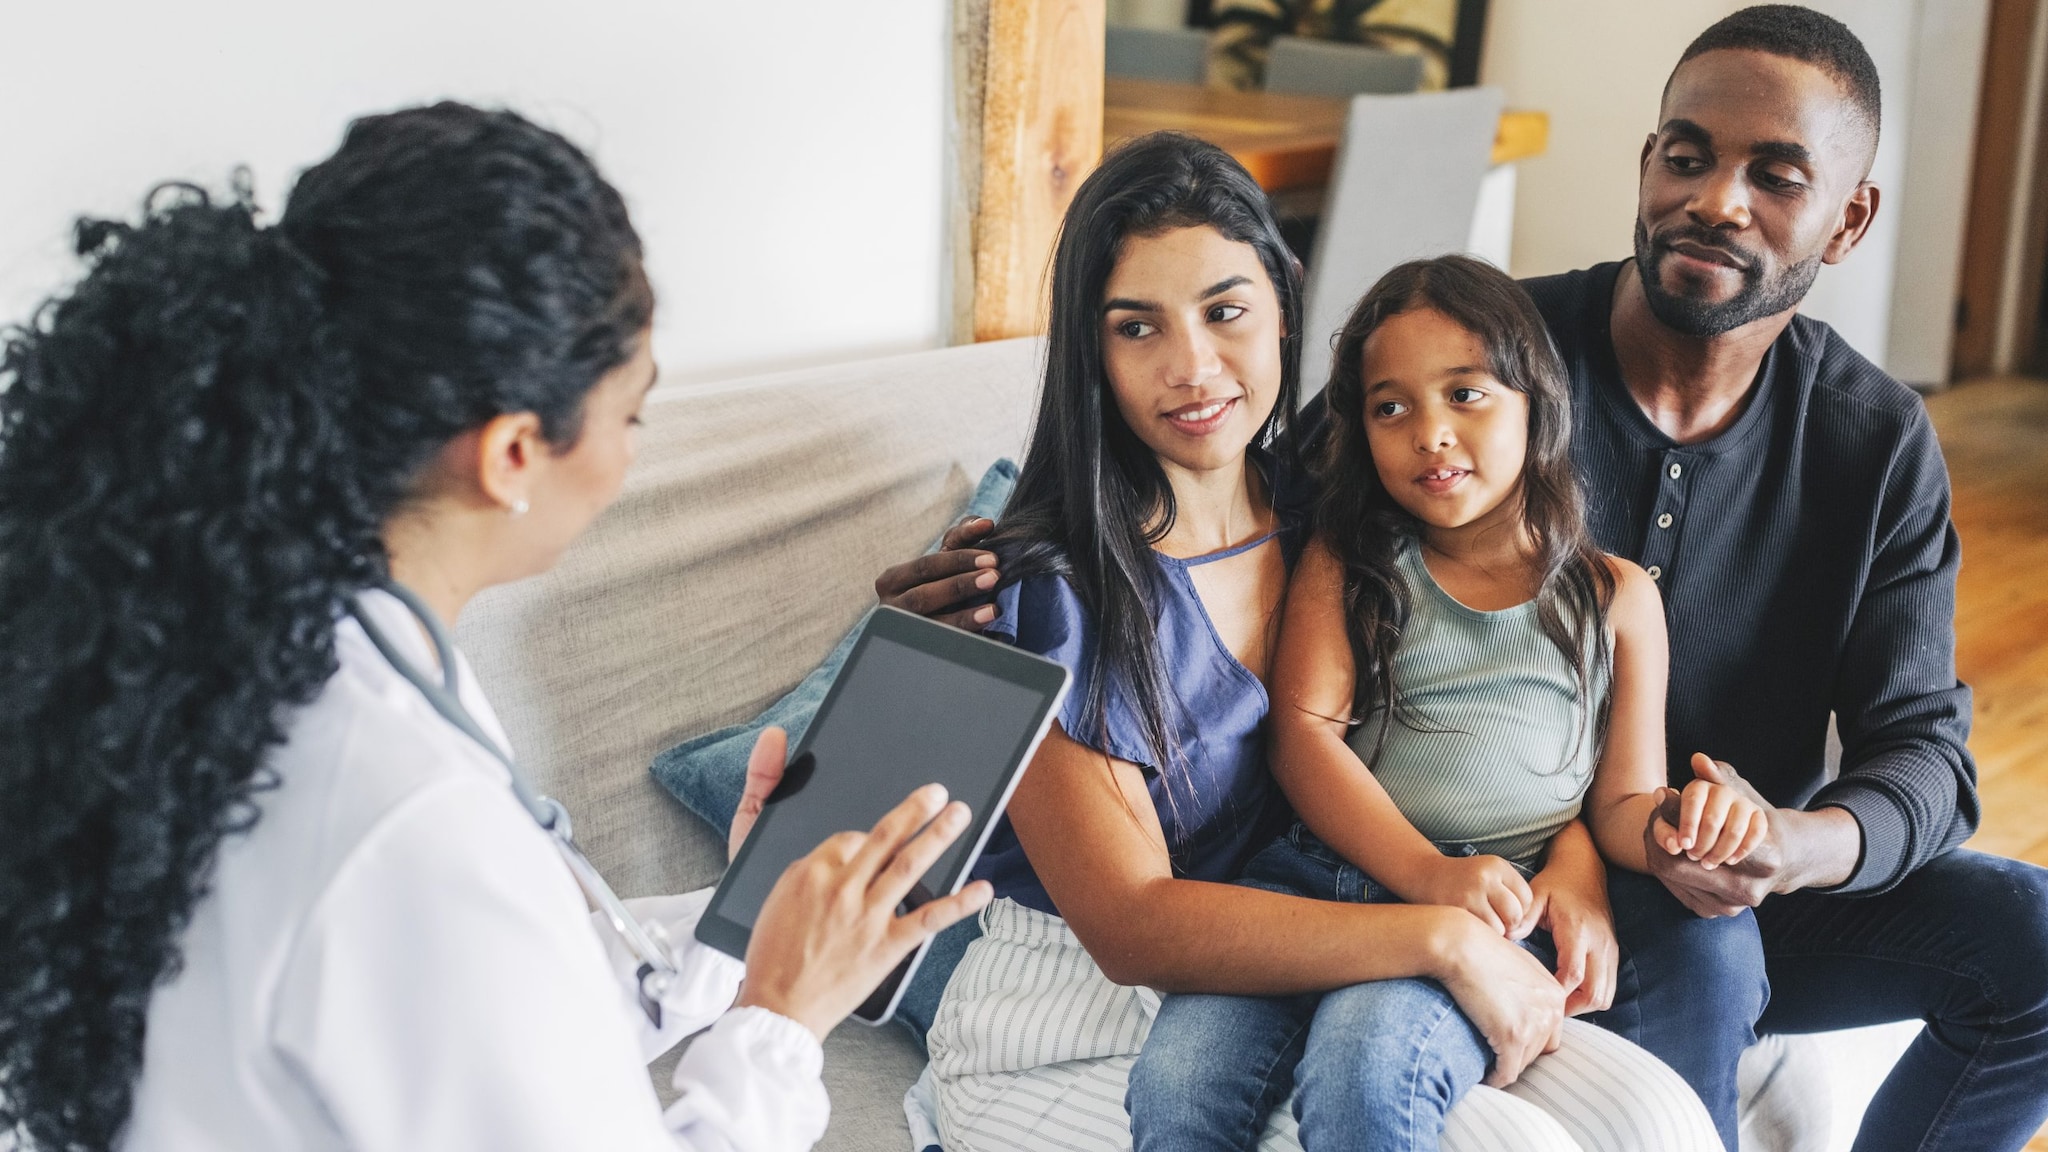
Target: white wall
{"x": 788, "y": 176}
{"x": 1855, "y": 295}
{"x": 1598, "y": 67}
{"x": 1932, "y": 205}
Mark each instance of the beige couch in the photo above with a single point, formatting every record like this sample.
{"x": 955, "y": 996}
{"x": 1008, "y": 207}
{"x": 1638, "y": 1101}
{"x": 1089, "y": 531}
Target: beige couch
{"x": 745, "y": 545}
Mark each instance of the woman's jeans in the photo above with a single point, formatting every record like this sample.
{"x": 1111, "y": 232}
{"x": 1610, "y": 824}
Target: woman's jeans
{"x": 1374, "y": 1066}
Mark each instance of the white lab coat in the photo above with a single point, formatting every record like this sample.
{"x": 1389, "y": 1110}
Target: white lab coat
{"x": 396, "y": 957}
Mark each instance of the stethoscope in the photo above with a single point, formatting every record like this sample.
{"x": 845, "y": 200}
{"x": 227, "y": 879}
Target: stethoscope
{"x": 647, "y": 942}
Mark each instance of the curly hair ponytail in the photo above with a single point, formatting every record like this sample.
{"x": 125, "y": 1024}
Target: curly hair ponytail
{"x": 199, "y": 447}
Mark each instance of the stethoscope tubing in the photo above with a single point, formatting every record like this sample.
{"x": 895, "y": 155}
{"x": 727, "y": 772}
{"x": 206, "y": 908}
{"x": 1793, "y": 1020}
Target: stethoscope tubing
{"x": 647, "y": 943}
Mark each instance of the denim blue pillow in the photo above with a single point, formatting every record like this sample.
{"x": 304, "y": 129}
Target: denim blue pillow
{"x": 708, "y": 772}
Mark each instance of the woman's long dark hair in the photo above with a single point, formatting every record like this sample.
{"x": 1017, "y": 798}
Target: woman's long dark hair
{"x": 1091, "y": 499}
{"x": 199, "y": 446}
{"x": 1365, "y": 527}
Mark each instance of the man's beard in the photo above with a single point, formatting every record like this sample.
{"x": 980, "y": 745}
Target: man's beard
{"x": 1757, "y": 298}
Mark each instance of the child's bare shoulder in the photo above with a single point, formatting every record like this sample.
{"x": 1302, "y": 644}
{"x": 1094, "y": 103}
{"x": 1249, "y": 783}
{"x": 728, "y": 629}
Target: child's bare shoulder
{"x": 1635, "y": 593}
{"x": 1626, "y": 570}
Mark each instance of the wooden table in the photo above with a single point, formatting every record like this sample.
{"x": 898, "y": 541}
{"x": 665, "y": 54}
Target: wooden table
{"x": 1283, "y": 140}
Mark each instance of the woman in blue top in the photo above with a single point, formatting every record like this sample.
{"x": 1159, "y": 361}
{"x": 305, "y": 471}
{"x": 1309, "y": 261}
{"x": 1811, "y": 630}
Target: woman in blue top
{"x": 1147, "y": 548}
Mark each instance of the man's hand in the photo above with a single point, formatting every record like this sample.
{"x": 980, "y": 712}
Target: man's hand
{"x": 949, "y": 585}
{"x": 1800, "y": 850}
{"x": 1717, "y": 823}
{"x": 1722, "y": 891}
{"x": 1571, "y": 904}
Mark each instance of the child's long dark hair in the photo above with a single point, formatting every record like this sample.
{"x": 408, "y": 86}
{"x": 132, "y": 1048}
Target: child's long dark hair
{"x": 1365, "y": 527}
{"x": 1091, "y": 498}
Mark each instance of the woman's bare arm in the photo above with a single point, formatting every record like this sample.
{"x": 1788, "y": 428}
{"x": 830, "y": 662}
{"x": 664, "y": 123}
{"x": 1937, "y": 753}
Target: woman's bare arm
{"x": 1088, "y": 825}
{"x": 1624, "y": 792}
{"x": 1087, "y": 822}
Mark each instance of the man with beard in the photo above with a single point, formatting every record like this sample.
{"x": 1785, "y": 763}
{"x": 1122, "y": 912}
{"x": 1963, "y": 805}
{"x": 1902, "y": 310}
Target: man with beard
{"x": 1791, "y": 502}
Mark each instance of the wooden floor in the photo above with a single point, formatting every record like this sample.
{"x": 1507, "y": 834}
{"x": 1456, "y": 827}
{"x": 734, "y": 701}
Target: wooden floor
{"x": 1995, "y": 435}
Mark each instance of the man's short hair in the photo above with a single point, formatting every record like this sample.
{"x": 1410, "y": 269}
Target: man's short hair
{"x": 1799, "y": 34}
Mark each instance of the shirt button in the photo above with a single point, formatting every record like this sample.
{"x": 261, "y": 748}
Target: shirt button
{"x": 1664, "y": 521}
{"x": 1675, "y": 470}
{"x": 1655, "y": 571}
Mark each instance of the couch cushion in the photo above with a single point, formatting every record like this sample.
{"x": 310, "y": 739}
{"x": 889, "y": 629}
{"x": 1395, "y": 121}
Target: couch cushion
{"x": 708, "y": 773}
{"x": 745, "y": 544}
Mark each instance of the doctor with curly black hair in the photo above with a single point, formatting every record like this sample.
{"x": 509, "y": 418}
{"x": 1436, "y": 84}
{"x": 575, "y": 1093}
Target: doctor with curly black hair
{"x": 256, "y": 891}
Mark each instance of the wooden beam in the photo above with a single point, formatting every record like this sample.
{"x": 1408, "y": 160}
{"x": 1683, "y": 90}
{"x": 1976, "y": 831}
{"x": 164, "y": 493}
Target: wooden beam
{"x": 1041, "y": 134}
{"x": 1994, "y": 183}
{"x": 963, "y": 131}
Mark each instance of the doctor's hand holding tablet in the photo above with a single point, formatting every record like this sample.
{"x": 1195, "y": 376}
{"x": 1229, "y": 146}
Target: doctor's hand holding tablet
{"x": 918, "y": 707}
{"x": 829, "y": 932}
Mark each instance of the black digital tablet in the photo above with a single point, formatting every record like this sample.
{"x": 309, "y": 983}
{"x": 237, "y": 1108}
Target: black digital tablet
{"x": 916, "y": 703}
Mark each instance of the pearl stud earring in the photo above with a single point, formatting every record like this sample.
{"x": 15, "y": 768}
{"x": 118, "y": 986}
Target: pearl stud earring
{"x": 519, "y": 507}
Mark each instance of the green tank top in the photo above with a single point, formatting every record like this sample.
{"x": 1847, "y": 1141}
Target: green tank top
{"x": 1501, "y": 751}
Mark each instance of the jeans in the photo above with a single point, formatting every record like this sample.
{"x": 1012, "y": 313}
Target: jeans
{"x": 1961, "y": 944}
{"x": 1374, "y": 1066}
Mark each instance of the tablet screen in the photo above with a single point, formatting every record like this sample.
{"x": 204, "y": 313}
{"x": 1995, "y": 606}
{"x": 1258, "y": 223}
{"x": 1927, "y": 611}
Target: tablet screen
{"x": 898, "y": 718}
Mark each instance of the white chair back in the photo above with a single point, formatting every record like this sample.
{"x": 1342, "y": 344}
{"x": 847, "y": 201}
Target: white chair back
{"x": 1405, "y": 186}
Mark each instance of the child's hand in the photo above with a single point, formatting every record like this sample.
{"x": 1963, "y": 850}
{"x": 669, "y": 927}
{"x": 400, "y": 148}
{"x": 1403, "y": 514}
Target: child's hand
{"x": 1581, "y": 924}
{"x": 1716, "y": 824}
{"x": 1486, "y": 886}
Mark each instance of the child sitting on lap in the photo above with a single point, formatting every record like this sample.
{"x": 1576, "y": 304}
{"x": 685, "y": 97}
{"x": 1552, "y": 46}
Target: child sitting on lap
{"x": 1461, "y": 676}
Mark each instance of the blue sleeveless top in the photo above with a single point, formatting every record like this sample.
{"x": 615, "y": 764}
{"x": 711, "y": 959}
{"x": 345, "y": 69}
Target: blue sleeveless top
{"x": 1224, "y": 805}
